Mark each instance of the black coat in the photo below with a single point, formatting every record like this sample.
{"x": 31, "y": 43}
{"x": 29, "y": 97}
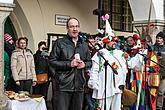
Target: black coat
{"x": 41, "y": 62}
{"x": 69, "y": 78}
{"x": 160, "y": 51}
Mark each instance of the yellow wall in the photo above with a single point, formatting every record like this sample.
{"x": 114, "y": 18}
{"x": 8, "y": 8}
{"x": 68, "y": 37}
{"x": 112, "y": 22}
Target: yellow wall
{"x": 37, "y": 17}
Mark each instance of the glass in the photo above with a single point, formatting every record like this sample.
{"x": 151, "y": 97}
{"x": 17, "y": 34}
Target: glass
{"x": 72, "y": 26}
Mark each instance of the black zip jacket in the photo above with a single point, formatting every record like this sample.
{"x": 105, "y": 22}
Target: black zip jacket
{"x": 69, "y": 78}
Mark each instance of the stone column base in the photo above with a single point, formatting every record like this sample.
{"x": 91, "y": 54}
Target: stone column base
{"x": 3, "y": 102}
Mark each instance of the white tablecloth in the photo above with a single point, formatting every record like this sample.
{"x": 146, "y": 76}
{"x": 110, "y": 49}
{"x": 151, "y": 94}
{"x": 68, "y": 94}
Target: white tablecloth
{"x": 30, "y": 104}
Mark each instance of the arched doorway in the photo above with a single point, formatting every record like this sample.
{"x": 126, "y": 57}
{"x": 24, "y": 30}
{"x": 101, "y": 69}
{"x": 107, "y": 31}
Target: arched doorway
{"x": 10, "y": 29}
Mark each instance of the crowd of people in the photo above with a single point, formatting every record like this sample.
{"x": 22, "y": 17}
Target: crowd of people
{"x": 21, "y": 67}
{"x": 89, "y": 75}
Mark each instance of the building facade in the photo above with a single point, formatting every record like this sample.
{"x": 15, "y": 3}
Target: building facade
{"x": 35, "y": 18}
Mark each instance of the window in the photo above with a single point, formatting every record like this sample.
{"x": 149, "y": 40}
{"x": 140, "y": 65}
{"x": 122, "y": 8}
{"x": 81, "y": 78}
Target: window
{"x": 120, "y": 14}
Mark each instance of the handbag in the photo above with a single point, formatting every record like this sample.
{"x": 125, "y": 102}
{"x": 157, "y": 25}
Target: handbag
{"x": 129, "y": 97}
{"x": 42, "y": 78}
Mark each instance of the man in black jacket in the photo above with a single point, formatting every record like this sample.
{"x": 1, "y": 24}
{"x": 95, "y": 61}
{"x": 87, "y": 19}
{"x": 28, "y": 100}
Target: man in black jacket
{"x": 69, "y": 58}
{"x": 159, "y": 48}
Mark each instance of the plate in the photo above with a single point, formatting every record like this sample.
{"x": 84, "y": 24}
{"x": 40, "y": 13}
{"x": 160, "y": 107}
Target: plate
{"x": 25, "y": 98}
{"x": 22, "y": 99}
{"x": 23, "y": 92}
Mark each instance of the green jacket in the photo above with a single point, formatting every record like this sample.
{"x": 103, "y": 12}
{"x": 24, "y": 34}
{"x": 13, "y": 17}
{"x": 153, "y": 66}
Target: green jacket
{"x": 7, "y": 72}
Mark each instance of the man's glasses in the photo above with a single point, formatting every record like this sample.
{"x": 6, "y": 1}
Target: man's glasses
{"x": 72, "y": 26}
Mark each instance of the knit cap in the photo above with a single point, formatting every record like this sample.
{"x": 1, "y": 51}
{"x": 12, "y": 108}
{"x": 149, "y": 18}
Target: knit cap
{"x": 161, "y": 34}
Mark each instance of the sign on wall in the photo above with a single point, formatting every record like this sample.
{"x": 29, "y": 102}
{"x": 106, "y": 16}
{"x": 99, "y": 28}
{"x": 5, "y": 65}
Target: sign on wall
{"x": 61, "y": 19}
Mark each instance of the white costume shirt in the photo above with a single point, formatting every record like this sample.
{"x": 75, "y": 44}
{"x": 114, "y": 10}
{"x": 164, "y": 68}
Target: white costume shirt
{"x": 97, "y": 76}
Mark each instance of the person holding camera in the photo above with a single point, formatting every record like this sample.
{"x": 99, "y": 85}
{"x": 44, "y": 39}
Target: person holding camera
{"x": 41, "y": 68}
{"x": 159, "y": 48}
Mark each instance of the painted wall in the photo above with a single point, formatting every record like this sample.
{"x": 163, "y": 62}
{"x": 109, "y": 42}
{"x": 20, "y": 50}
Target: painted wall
{"x": 37, "y": 17}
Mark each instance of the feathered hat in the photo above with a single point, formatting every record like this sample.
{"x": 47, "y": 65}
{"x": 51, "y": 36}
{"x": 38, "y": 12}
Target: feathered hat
{"x": 109, "y": 35}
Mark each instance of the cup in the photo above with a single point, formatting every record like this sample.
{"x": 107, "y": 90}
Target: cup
{"x": 77, "y": 56}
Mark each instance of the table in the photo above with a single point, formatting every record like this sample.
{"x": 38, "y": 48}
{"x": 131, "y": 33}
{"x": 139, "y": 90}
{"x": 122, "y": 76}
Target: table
{"x": 30, "y": 104}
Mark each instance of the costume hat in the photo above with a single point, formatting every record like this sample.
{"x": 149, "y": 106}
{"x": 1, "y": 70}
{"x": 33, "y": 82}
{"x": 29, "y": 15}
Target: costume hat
{"x": 161, "y": 34}
{"x": 109, "y": 35}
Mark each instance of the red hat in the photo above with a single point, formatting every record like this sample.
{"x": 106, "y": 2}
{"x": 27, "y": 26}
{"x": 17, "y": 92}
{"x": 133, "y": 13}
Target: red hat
{"x": 8, "y": 37}
{"x": 107, "y": 40}
{"x": 136, "y": 37}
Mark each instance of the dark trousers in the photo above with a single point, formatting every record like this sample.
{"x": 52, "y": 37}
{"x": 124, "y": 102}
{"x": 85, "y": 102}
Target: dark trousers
{"x": 68, "y": 100}
{"x": 25, "y": 85}
{"x": 41, "y": 89}
{"x": 161, "y": 94}
{"x": 89, "y": 102}
{"x": 12, "y": 86}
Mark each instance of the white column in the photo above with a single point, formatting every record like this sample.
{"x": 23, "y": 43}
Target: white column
{"x": 5, "y": 10}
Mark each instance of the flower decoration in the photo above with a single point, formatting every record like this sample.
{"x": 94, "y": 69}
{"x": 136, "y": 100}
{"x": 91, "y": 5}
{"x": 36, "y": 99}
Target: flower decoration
{"x": 98, "y": 104}
{"x": 105, "y": 40}
{"x": 126, "y": 56}
{"x": 98, "y": 108}
{"x": 106, "y": 17}
{"x": 115, "y": 38}
{"x": 114, "y": 66}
